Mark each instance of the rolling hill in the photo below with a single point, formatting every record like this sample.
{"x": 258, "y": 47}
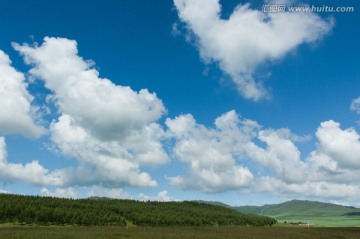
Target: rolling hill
{"x": 318, "y": 213}
{"x": 98, "y": 211}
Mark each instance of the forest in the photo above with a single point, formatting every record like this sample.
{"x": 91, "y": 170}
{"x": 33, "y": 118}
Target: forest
{"x": 20, "y": 209}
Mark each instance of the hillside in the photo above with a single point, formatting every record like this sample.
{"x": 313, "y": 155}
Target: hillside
{"x": 216, "y": 203}
{"x": 103, "y": 211}
{"x": 325, "y": 214}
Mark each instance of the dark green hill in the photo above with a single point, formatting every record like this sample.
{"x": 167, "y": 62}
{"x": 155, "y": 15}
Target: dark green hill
{"x": 104, "y": 211}
{"x": 216, "y": 203}
{"x": 318, "y": 212}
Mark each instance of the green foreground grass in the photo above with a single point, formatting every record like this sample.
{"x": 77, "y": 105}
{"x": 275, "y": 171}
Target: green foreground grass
{"x": 116, "y": 232}
{"x": 340, "y": 221}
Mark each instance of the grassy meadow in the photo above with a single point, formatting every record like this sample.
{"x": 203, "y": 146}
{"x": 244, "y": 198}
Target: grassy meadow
{"x": 318, "y": 214}
{"x": 340, "y": 221}
{"x": 8, "y": 231}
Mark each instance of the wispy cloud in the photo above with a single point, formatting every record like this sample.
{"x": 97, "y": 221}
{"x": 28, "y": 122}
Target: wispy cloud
{"x": 355, "y": 105}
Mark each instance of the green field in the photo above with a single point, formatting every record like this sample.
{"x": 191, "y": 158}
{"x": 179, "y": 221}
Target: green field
{"x": 340, "y": 221}
{"x": 116, "y": 232}
{"x": 318, "y": 214}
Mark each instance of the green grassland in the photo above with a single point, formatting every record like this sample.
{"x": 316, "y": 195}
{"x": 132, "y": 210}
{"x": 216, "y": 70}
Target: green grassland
{"x": 341, "y": 221}
{"x": 118, "y": 232}
{"x": 316, "y": 213}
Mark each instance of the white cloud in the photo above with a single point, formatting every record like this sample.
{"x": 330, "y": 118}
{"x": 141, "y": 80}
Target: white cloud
{"x": 59, "y": 192}
{"x": 321, "y": 189}
{"x": 355, "y": 105}
{"x": 280, "y": 154}
{"x": 216, "y": 158}
{"x": 117, "y": 193}
{"x": 342, "y": 146}
{"x": 92, "y": 191}
{"x": 100, "y": 162}
{"x": 110, "y": 130}
{"x": 110, "y": 111}
{"x": 161, "y": 197}
{"x": 330, "y": 171}
{"x": 3, "y": 191}
{"x": 3, "y": 153}
{"x": 211, "y": 154}
{"x": 32, "y": 172}
{"x": 16, "y": 114}
{"x": 248, "y": 38}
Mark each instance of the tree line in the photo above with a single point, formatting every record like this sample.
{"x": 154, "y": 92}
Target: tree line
{"x": 91, "y": 212}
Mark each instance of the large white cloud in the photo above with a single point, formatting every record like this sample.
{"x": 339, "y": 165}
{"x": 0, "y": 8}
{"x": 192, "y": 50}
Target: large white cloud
{"x": 216, "y": 158}
{"x": 100, "y": 162}
{"x": 110, "y": 130}
{"x": 211, "y": 154}
{"x": 280, "y": 155}
{"x": 110, "y": 111}
{"x": 330, "y": 171}
{"x": 235, "y": 154}
{"x": 342, "y": 146}
{"x": 16, "y": 113}
{"x": 248, "y": 38}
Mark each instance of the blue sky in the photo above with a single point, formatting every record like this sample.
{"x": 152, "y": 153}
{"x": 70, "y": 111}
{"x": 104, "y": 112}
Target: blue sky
{"x": 180, "y": 100}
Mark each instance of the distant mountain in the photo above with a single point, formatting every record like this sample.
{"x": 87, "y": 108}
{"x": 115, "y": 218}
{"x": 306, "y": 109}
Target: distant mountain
{"x": 297, "y": 210}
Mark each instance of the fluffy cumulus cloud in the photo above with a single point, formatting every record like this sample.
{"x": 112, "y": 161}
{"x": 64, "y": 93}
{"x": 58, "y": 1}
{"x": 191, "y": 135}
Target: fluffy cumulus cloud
{"x": 32, "y": 173}
{"x": 110, "y": 130}
{"x": 211, "y": 154}
{"x": 342, "y": 146}
{"x": 217, "y": 158}
{"x": 109, "y": 111}
{"x": 107, "y": 163}
{"x": 280, "y": 155}
{"x": 248, "y": 38}
{"x": 16, "y": 114}
{"x": 330, "y": 171}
